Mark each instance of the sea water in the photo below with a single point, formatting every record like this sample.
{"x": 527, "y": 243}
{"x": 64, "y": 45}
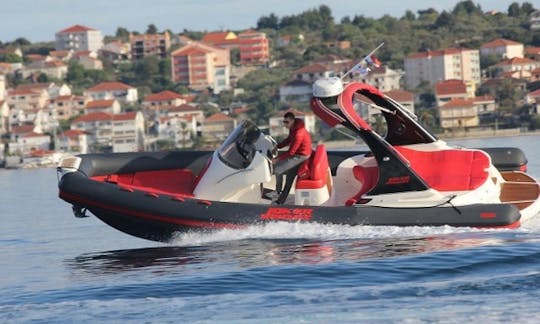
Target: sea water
{"x": 55, "y": 268}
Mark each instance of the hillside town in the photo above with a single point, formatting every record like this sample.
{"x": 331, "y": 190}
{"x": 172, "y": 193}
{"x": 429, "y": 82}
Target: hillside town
{"x": 42, "y": 112}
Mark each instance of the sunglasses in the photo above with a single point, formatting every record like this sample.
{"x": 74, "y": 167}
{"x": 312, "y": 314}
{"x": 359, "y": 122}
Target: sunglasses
{"x": 286, "y": 122}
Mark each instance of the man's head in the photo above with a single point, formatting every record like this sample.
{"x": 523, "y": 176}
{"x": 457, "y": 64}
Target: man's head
{"x": 288, "y": 120}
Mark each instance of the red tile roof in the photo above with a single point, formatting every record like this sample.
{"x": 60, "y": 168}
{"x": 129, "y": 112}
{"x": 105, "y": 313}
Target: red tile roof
{"x": 22, "y": 129}
{"x": 516, "y": 61}
{"x": 535, "y": 93}
{"x": 96, "y": 104}
{"x": 447, "y": 87}
{"x": 125, "y": 116}
{"x": 458, "y": 102}
{"x": 75, "y": 29}
{"x": 500, "y": 42}
{"x": 219, "y": 37}
{"x": 163, "y": 96}
{"x": 400, "y": 95}
{"x": 92, "y": 117}
{"x": 218, "y": 117}
{"x": 532, "y": 50}
{"x": 313, "y": 68}
{"x": 34, "y": 134}
{"x": 73, "y": 133}
{"x": 110, "y": 86}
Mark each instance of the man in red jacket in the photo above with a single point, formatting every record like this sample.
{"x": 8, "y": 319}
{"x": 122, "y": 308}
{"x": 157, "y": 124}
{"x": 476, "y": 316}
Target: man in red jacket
{"x": 293, "y": 161}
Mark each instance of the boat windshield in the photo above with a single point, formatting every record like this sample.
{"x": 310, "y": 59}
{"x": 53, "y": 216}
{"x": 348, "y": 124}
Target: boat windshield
{"x": 238, "y": 149}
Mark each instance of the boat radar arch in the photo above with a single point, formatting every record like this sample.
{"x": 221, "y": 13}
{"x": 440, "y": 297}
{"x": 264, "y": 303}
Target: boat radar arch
{"x": 327, "y": 87}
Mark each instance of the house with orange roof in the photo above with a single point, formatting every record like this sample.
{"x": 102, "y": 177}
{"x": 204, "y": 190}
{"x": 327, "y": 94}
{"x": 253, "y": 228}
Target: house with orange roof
{"x": 503, "y": 48}
{"x": 434, "y": 66}
{"x": 144, "y": 45}
{"x": 111, "y": 106}
{"x": 277, "y": 129}
{"x": 64, "y": 55}
{"x": 223, "y": 39}
{"x": 31, "y": 142}
{"x": 450, "y": 89}
{"x": 218, "y": 126}
{"x": 113, "y": 90}
{"x": 52, "y": 88}
{"x": 517, "y": 67}
{"x": 25, "y": 99}
{"x": 185, "y": 110}
{"x": 533, "y": 53}
{"x": 78, "y": 38}
{"x": 72, "y": 140}
{"x": 200, "y": 66}
{"x": 254, "y": 48}
{"x": 458, "y": 113}
{"x": 162, "y": 100}
{"x": 533, "y": 96}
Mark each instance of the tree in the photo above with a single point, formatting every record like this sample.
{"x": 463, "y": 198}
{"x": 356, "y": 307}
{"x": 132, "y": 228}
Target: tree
{"x": 268, "y": 22}
{"x": 152, "y": 29}
{"x": 122, "y": 33}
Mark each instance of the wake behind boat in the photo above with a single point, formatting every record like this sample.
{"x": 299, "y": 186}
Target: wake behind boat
{"x": 408, "y": 178}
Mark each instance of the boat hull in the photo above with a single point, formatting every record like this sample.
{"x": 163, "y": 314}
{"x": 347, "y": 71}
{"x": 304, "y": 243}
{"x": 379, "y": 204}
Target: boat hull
{"x": 159, "y": 217}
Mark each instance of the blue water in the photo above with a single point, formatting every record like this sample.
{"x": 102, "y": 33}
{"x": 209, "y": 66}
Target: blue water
{"x": 55, "y": 268}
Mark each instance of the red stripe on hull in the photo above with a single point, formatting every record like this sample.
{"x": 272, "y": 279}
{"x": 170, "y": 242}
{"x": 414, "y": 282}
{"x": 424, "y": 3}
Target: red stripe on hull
{"x": 178, "y": 221}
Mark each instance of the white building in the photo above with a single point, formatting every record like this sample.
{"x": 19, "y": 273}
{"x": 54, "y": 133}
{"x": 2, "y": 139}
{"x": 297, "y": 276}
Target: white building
{"x": 128, "y": 132}
{"x": 433, "y": 66}
{"x": 503, "y": 48}
{"x": 123, "y": 132}
{"x": 296, "y": 90}
{"x": 113, "y": 90}
{"x": 78, "y": 38}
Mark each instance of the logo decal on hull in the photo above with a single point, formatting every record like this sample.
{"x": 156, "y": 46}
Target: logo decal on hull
{"x": 398, "y": 180}
{"x": 287, "y": 214}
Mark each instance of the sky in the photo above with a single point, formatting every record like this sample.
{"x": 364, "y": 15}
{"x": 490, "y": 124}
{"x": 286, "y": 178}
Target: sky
{"x": 39, "y": 20}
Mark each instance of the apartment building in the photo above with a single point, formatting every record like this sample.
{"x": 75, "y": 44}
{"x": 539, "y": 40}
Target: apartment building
{"x": 200, "y": 66}
{"x": 433, "y": 66}
{"x": 78, "y": 38}
{"x": 254, "y": 49}
{"x": 149, "y": 44}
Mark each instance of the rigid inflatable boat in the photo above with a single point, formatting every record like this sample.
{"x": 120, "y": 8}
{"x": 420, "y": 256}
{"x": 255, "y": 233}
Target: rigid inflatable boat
{"x": 408, "y": 177}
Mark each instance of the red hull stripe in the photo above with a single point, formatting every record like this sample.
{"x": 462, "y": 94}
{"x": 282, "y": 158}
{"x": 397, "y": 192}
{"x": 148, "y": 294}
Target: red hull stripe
{"x": 509, "y": 226}
{"x": 139, "y": 214}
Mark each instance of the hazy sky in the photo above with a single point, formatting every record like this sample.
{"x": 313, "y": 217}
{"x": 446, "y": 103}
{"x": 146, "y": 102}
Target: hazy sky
{"x": 39, "y": 20}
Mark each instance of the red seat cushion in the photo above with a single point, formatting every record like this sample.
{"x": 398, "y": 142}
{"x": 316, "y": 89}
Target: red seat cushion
{"x": 449, "y": 170}
{"x": 317, "y": 170}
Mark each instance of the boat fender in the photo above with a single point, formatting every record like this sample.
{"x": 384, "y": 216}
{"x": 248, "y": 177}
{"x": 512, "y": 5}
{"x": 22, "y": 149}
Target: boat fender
{"x": 151, "y": 194}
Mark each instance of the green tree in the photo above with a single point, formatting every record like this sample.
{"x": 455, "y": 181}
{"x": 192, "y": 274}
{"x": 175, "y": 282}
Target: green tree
{"x": 152, "y": 29}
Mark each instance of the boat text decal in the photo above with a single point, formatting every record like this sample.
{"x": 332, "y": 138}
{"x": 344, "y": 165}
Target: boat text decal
{"x": 290, "y": 214}
{"x": 398, "y": 180}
